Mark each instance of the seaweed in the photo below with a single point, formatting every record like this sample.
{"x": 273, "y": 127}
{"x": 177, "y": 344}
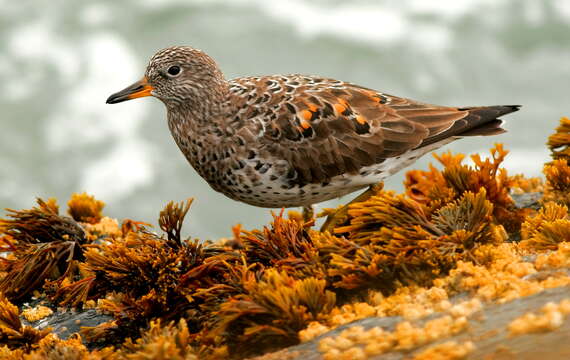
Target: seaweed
{"x": 547, "y": 229}
{"x": 140, "y": 276}
{"x": 551, "y": 225}
{"x": 51, "y": 347}
{"x": 13, "y": 334}
{"x": 162, "y": 342}
{"x": 383, "y": 254}
{"x": 144, "y": 273}
{"x": 286, "y": 245}
{"x": 271, "y": 313}
{"x": 41, "y": 224}
{"x": 557, "y": 175}
{"x": 45, "y": 245}
{"x": 397, "y": 243}
{"x": 171, "y": 219}
{"x": 430, "y": 188}
{"x": 435, "y": 188}
{"x": 85, "y": 208}
{"x": 557, "y": 172}
{"x": 559, "y": 142}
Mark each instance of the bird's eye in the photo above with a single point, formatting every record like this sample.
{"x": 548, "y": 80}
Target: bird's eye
{"x": 173, "y": 70}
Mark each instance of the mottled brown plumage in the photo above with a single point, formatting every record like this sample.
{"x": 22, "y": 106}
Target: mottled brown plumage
{"x": 295, "y": 140}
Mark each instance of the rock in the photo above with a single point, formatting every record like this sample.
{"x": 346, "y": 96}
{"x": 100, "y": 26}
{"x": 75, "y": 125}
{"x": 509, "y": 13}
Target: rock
{"x": 488, "y": 330}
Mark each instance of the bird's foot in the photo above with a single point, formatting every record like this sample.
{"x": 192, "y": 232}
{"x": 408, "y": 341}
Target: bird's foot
{"x": 308, "y": 213}
{"x": 341, "y": 215}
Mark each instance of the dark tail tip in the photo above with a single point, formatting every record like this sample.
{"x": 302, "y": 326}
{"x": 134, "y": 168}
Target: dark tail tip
{"x": 485, "y": 119}
{"x": 507, "y": 109}
{"x": 492, "y": 112}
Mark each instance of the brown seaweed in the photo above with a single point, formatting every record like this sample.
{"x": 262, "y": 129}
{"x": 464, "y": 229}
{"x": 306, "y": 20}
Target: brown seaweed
{"x": 45, "y": 245}
{"x": 13, "y": 334}
{"x": 85, "y": 208}
{"x": 435, "y": 188}
{"x": 559, "y": 142}
{"x": 174, "y": 297}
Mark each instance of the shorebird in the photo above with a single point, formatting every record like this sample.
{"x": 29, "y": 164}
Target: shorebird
{"x": 295, "y": 140}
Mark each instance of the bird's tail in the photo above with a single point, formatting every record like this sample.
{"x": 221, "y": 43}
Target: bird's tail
{"x": 484, "y": 120}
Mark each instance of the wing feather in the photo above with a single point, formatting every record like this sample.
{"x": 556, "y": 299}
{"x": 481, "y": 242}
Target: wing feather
{"x": 324, "y": 128}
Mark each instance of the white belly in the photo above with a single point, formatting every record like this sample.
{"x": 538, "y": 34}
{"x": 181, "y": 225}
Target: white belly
{"x": 274, "y": 196}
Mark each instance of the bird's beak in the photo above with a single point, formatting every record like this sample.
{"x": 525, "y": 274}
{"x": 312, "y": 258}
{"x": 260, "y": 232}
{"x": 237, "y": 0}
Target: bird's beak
{"x": 139, "y": 89}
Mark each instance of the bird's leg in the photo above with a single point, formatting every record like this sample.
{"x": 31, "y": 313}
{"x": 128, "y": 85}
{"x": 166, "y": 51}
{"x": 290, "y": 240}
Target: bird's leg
{"x": 340, "y": 216}
{"x": 308, "y": 213}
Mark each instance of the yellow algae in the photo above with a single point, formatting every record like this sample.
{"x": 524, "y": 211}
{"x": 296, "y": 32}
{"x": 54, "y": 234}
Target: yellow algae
{"x": 355, "y": 353}
{"x": 51, "y": 347}
{"x": 375, "y": 341}
{"x": 313, "y": 330}
{"x": 106, "y": 226}
{"x": 555, "y": 259}
{"x": 351, "y": 312}
{"x": 415, "y": 302}
{"x": 409, "y": 337}
{"x": 7, "y": 354}
{"x": 466, "y": 308}
{"x": 503, "y": 278}
{"x": 89, "y": 304}
{"x": 449, "y": 350}
{"x": 412, "y": 303}
{"x": 37, "y": 313}
{"x": 85, "y": 208}
{"x": 552, "y": 316}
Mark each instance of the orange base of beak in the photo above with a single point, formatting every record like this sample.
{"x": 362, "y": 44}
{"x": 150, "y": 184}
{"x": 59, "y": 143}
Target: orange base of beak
{"x": 139, "y": 89}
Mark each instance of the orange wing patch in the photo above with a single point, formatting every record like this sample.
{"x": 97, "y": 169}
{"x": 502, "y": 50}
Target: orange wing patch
{"x": 361, "y": 125}
{"x": 341, "y": 107}
{"x": 304, "y": 125}
{"x": 307, "y": 114}
{"x": 376, "y": 97}
{"x": 313, "y": 107}
{"x": 361, "y": 119}
{"x": 305, "y": 129}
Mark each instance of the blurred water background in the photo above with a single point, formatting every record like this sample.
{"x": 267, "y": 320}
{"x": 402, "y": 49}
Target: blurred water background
{"x": 59, "y": 60}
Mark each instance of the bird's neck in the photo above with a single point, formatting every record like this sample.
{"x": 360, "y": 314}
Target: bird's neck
{"x": 200, "y": 127}
{"x": 204, "y": 115}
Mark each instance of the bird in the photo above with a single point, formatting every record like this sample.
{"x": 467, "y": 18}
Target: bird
{"x": 283, "y": 141}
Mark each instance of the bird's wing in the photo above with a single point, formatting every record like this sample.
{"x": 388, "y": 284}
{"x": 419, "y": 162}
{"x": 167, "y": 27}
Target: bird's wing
{"x": 324, "y": 128}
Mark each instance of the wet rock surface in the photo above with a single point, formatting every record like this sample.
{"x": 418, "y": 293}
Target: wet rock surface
{"x": 529, "y": 200}
{"x": 487, "y": 329}
{"x": 65, "y": 322}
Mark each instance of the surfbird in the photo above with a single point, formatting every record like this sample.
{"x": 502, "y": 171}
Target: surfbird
{"x": 295, "y": 140}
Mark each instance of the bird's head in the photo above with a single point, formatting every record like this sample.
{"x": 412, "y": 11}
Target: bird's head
{"x": 175, "y": 75}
